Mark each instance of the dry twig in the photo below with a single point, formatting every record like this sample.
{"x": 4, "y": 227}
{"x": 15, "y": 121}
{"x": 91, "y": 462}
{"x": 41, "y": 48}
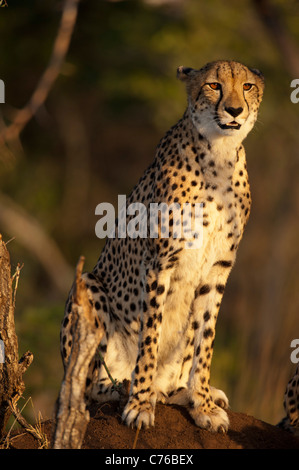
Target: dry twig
{"x": 22, "y": 421}
{"x": 39, "y": 96}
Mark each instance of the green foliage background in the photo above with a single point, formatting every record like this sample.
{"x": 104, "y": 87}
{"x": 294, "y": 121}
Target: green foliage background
{"x": 115, "y": 97}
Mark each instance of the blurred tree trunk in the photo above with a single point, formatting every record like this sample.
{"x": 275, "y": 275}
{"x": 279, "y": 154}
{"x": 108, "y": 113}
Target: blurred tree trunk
{"x": 286, "y": 46}
{"x": 11, "y": 368}
{"x": 77, "y": 181}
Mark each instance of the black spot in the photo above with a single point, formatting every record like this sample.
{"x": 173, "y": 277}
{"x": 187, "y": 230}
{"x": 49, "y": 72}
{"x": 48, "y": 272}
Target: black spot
{"x": 205, "y": 289}
{"x": 220, "y": 288}
{"x": 208, "y": 333}
{"x": 94, "y": 289}
{"x": 207, "y": 316}
{"x": 160, "y": 289}
{"x": 187, "y": 358}
{"x": 149, "y": 323}
{"x": 224, "y": 263}
{"x": 154, "y": 285}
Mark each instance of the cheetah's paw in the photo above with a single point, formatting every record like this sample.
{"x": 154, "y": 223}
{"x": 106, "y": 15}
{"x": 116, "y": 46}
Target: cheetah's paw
{"x": 139, "y": 415}
{"x": 215, "y": 420}
{"x": 219, "y": 398}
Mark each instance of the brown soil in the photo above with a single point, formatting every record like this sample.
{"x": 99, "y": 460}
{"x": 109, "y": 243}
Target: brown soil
{"x": 173, "y": 430}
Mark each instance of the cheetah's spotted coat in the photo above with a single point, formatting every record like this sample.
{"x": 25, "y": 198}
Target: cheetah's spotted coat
{"x": 158, "y": 300}
{"x": 291, "y": 405}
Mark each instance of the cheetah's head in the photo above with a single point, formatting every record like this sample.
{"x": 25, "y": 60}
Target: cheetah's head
{"x": 223, "y": 97}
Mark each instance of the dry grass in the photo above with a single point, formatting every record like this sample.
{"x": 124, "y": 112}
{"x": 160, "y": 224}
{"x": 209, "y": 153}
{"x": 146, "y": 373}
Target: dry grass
{"x": 35, "y": 430}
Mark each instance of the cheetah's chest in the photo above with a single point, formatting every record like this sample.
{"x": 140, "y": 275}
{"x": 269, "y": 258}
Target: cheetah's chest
{"x": 192, "y": 271}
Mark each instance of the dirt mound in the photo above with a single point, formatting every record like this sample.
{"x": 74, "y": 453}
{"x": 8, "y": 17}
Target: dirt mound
{"x": 173, "y": 429}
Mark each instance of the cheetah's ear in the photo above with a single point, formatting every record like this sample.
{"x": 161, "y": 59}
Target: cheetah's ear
{"x": 258, "y": 73}
{"x": 184, "y": 73}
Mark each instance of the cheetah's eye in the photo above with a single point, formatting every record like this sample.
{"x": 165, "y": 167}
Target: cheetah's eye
{"x": 247, "y": 86}
{"x": 214, "y": 86}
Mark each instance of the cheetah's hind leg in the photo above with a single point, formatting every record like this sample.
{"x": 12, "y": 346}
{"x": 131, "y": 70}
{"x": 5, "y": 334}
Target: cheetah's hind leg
{"x": 103, "y": 387}
{"x": 98, "y": 300}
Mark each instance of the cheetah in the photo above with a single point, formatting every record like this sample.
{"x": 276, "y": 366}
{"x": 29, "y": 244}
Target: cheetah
{"x": 156, "y": 297}
{"x": 291, "y": 405}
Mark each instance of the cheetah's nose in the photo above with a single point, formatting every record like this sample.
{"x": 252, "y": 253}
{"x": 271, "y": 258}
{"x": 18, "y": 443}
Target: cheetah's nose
{"x": 233, "y": 111}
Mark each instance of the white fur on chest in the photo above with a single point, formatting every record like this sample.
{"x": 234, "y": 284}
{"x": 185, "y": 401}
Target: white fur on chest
{"x": 194, "y": 267}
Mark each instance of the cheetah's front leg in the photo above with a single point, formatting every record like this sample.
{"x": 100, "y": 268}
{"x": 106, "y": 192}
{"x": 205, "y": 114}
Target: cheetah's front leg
{"x": 206, "y": 403}
{"x": 140, "y": 409}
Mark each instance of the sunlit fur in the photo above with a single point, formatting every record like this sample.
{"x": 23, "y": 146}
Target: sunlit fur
{"x": 157, "y": 299}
